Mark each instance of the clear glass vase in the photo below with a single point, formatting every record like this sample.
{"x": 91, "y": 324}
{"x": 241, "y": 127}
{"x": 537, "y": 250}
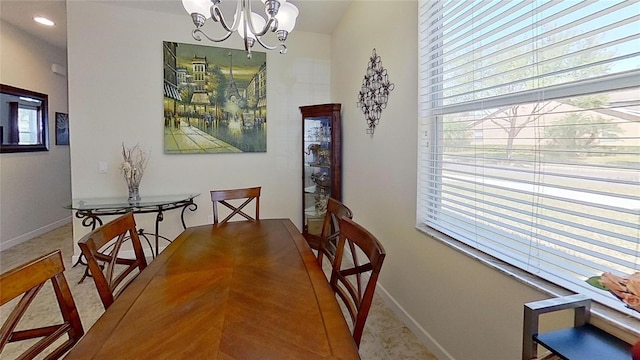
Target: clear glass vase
{"x": 134, "y": 194}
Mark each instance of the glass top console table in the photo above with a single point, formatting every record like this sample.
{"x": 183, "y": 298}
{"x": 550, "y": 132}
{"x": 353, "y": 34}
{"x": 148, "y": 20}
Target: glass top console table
{"x": 90, "y": 210}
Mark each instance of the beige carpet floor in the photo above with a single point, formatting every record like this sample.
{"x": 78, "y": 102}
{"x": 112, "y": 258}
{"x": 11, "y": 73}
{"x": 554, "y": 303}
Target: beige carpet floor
{"x": 385, "y": 336}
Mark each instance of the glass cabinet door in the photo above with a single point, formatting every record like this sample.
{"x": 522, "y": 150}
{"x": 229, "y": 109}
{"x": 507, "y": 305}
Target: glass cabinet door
{"x": 317, "y": 169}
{"x": 321, "y": 165}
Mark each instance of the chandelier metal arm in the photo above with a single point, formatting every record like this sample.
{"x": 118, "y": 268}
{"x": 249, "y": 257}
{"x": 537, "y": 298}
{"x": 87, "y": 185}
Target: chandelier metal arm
{"x": 217, "y": 16}
{"x": 246, "y": 6}
{"x": 198, "y": 38}
{"x": 243, "y": 10}
{"x": 272, "y": 23}
{"x": 269, "y": 47}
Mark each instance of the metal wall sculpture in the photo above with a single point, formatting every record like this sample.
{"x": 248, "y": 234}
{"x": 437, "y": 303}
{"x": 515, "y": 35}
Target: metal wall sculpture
{"x": 374, "y": 92}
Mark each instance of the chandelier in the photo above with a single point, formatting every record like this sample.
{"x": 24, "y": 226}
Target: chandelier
{"x": 281, "y": 18}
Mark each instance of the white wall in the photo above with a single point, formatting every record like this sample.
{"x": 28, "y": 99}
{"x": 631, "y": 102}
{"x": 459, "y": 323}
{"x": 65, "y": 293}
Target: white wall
{"x": 461, "y": 308}
{"x": 116, "y": 94}
{"x": 35, "y": 186}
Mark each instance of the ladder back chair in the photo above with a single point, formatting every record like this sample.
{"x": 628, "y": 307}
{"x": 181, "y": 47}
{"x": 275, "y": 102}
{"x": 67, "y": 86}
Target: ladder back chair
{"x": 27, "y": 280}
{"x": 103, "y": 246}
{"x": 331, "y": 230}
{"x": 356, "y": 299}
{"x": 221, "y": 196}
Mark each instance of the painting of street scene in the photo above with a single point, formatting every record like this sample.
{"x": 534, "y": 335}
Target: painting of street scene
{"x": 215, "y": 100}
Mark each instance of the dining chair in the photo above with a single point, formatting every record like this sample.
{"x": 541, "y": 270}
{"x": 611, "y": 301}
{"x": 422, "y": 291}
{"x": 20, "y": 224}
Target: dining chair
{"x": 356, "y": 299}
{"x": 331, "y": 230}
{"x": 221, "y": 196}
{"x": 103, "y": 246}
{"x": 27, "y": 280}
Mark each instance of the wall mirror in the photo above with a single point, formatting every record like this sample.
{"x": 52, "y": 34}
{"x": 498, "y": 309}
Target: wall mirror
{"x": 23, "y": 120}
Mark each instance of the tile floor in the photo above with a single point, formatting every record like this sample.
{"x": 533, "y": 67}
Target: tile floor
{"x": 385, "y": 336}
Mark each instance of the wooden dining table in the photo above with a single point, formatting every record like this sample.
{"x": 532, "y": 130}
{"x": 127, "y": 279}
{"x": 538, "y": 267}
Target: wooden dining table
{"x": 239, "y": 290}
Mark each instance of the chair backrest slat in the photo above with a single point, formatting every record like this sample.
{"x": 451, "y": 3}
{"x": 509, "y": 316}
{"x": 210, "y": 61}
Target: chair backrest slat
{"x": 221, "y": 196}
{"x": 102, "y": 246}
{"x": 331, "y": 229}
{"x": 27, "y": 280}
{"x": 357, "y": 299}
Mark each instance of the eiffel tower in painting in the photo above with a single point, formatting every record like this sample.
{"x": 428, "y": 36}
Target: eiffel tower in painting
{"x": 232, "y": 88}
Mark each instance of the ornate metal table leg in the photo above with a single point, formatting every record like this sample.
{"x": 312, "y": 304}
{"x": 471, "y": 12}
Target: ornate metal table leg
{"x": 144, "y": 236}
{"x": 192, "y": 207}
{"x": 89, "y": 219}
{"x": 159, "y": 217}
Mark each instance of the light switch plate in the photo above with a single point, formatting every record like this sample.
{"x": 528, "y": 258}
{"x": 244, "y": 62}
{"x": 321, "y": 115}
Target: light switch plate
{"x": 103, "y": 167}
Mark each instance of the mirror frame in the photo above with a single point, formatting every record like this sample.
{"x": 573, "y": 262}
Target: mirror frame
{"x": 43, "y": 133}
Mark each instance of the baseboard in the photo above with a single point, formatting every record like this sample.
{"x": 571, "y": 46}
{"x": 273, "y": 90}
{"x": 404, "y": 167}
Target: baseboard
{"x": 31, "y": 234}
{"x": 413, "y": 325}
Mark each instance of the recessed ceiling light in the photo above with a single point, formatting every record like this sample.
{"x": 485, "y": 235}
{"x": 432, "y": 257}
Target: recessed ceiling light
{"x": 43, "y": 21}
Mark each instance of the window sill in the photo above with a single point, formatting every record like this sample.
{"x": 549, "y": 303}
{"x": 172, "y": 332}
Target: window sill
{"x": 619, "y": 325}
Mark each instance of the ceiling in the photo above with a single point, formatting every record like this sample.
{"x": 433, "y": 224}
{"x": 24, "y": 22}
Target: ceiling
{"x": 318, "y": 16}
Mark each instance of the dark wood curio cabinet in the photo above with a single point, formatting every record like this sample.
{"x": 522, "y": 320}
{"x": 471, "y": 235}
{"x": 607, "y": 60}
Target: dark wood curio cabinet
{"x": 321, "y": 165}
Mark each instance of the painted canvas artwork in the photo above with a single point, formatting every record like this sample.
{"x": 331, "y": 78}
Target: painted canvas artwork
{"x": 215, "y": 100}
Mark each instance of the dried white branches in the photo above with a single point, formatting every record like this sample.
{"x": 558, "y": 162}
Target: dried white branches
{"x": 132, "y": 168}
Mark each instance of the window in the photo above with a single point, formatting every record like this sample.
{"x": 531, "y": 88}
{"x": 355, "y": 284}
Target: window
{"x": 27, "y": 125}
{"x": 530, "y": 134}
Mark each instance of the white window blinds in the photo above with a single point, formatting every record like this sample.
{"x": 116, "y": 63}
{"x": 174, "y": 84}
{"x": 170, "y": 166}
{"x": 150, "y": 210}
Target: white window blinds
{"x": 530, "y": 134}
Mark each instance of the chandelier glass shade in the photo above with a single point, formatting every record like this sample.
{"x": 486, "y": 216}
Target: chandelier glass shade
{"x": 251, "y": 27}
